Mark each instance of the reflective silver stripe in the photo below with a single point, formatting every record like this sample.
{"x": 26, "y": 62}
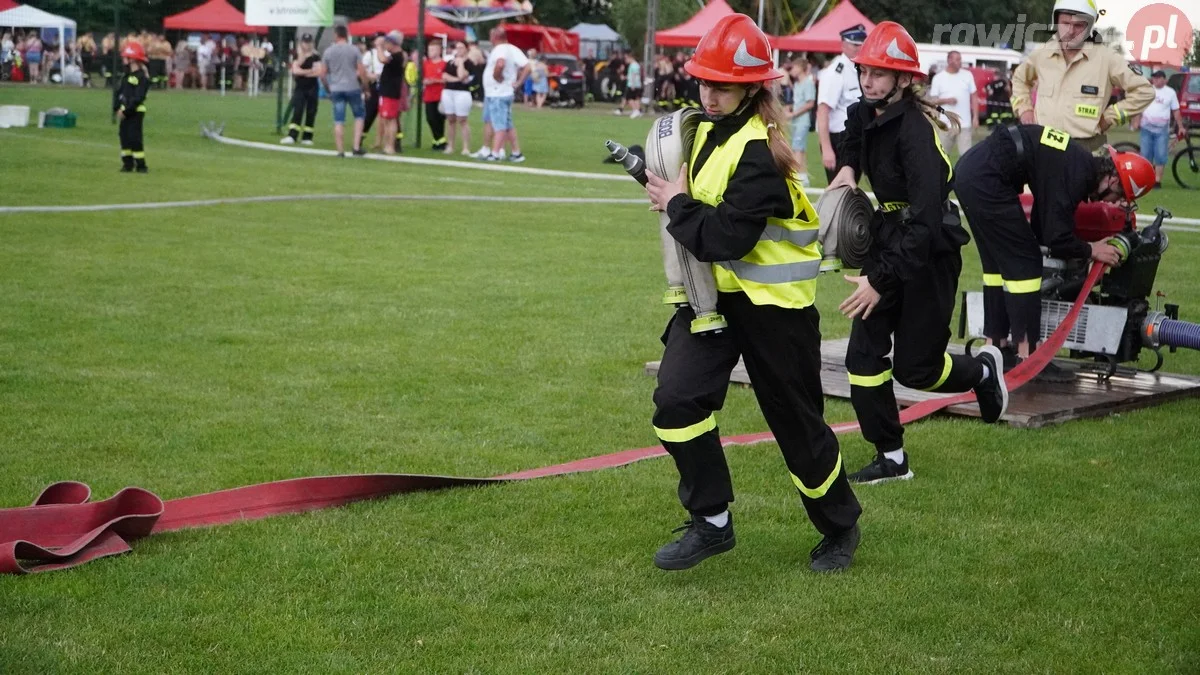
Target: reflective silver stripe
{"x": 773, "y": 274}
{"x": 797, "y": 237}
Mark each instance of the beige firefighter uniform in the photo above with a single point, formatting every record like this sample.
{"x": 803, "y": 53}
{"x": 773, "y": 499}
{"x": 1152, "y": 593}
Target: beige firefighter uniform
{"x": 1074, "y": 96}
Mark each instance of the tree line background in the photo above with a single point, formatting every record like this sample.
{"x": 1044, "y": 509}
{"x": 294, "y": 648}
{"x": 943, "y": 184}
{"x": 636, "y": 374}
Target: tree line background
{"x": 628, "y": 17}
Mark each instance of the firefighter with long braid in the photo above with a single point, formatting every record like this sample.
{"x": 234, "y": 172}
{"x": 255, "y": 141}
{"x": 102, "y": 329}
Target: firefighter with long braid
{"x": 738, "y": 203}
{"x": 129, "y": 105}
{"x": 907, "y": 289}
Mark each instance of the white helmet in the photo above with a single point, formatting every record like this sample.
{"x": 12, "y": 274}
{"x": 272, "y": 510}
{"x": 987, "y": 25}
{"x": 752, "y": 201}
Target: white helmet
{"x": 1086, "y": 8}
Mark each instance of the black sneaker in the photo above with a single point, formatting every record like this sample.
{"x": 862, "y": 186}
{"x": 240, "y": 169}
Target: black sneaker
{"x": 835, "y": 554}
{"x": 359, "y": 152}
{"x": 992, "y": 393}
{"x": 881, "y": 470}
{"x": 1010, "y": 356}
{"x": 1054, "y": 374}
{"x": 701, "y": 539}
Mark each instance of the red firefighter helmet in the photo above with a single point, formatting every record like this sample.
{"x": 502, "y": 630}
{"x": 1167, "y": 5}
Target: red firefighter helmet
{"x": 133, "y": 50}
{"x": 1135, "y": 172}
{"x": 734, "y": 50}
{"x": 889, "y": 46}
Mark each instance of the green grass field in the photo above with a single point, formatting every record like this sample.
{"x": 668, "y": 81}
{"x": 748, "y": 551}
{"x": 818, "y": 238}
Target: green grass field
{"x": 194, "y": 349}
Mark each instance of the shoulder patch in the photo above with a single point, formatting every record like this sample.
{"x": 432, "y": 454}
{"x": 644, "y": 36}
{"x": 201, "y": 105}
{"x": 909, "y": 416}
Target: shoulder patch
{"x": 1134, "y": 67}
{"x": 839, "y": 68}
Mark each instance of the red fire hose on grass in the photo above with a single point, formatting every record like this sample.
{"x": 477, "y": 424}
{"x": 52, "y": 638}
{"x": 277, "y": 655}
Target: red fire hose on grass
{"x": 64, "y": 529}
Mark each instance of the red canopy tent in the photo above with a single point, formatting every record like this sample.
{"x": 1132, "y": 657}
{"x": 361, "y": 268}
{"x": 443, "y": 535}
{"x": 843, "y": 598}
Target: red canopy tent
{"x": 7, "y": 4}
{"x": 824, "y": 35}
{"x": 688, "y": 33}
{"x": 403, "y": 16}
{"x": 545, "y": 39}
{"x": 217, "y": 16}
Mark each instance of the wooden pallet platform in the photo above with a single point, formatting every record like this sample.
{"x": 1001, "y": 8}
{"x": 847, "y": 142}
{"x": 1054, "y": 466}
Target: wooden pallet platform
{"x": 1033, "y": 405}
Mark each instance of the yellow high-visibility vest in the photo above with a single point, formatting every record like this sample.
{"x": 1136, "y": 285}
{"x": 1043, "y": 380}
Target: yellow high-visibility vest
{"x": 782, "y": 267}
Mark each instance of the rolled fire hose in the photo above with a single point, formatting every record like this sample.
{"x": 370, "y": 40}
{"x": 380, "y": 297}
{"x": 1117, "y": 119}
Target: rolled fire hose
{"x": 845, "y": 236}
{"x": 689, "y": 281}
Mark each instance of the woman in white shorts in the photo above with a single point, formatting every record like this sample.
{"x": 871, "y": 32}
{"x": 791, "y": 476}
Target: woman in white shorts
{"x": 456, "y": 99}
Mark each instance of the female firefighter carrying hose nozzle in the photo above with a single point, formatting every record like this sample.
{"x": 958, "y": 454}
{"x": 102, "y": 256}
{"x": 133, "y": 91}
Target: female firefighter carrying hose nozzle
{"x": 907, "y": 289}
{"x": 746, "y": 213}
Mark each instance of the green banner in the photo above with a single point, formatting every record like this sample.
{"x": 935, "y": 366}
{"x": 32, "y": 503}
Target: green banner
{"x": 289, "y": 12}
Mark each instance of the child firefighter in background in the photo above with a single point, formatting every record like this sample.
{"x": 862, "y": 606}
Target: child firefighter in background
{"x": 129, "y": 103}
{"x": 747, "y": 213}
{"x": 909, "y": 284}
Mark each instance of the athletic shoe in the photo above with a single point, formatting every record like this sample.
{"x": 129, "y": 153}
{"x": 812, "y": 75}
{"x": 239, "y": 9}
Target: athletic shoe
{"x": 467, "y": 153}
{"x": 635, "y": 114}
{"x": 492, "y": 158}
{"x": 306, "y": 142}
{"x": 341, "y": 154}
{"x": 517, "y": 158}
{"x": 618, "y": 113}
{"x": 481, "y": 153}
{"x": 881, "y": 470}
{"x": 701, "y": 539}
{"x": 287, "y": 140}
{"x": 360, "y": 152}
{"x": 1011, "y": 358}
{"x": 992, "y": 392}
{"x": 835, "y": 554}
{"x": 500, "y": 154}
{"x": 1054, "y": 374}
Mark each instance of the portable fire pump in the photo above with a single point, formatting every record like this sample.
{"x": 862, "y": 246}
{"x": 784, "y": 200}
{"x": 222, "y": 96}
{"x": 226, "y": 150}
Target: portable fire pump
{"x": 1117, "y": 321}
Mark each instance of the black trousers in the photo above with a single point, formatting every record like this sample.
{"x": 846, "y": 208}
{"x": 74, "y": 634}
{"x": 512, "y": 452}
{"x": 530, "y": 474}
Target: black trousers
{"x": 782, "y": 352}
{"x": 437, "y": 124}
{"x": 304, "y": 108}
{"x": 835, "y": 139}
{"x": 1008, "y": 246}
{"x": 372, "y": 107}
{"x": 917, "y": 317}
{"x": 130, "y": 132}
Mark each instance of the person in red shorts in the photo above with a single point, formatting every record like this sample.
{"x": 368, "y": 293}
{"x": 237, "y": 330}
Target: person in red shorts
{"x": 391, "y": 88}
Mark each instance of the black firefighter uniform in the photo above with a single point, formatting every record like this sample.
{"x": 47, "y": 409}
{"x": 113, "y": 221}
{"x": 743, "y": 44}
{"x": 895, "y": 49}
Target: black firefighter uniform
{"x": 130, "y": 99}
{"x": 913, "y": 262}
{"x": 760, "y": 232}
{"x": 1073, "y": 97}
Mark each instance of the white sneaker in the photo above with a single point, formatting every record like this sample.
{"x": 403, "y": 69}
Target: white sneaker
{"x": 635, "y": 114}
{"x": 500, "y": 155}
{"x": 482, "y": 153}
{"x": 467, "y": 153}
{"x": 517, "y": 158}
{"x": 287, "y": 140}
{"x": 618, "y": 113}
{"x": 306, "y": 142}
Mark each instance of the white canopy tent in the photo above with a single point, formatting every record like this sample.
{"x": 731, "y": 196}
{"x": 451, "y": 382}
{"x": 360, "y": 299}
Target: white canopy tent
{"x": 24, "y": 16}
{"x": 596, "y": 39}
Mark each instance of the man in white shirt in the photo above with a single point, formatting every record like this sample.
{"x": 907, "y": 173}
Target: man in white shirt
{"x": 506, "y": 70}
{"x": 954, "y": 89}
{"x": 1155, "y": 124}
{"x": 837, "y": 90}
{"x": 204, "y": 55}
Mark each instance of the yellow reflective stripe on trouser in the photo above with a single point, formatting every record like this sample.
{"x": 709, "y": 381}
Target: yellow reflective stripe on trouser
{"x": 820, "y": 490}
{"x": 870, "y": 380}
{"x": 689, "y": 432}
{"x": 993, "y": 280}
{"x": 945, "y": 373}
{"x": 127, "y": 153}
{"x": 139, "y": 155}
{"x": 1023, "y": 285}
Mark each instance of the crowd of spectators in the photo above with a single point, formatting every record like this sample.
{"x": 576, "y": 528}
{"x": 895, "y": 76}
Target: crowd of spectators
{"x": 196, "y": 64}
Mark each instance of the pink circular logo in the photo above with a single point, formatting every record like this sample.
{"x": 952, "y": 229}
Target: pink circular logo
{"x": 1158, "y": 33}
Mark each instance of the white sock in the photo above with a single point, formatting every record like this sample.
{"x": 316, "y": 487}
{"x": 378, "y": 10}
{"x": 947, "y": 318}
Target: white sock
{"x": 719, "y": 520}
{"x": 895, "y": 456}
